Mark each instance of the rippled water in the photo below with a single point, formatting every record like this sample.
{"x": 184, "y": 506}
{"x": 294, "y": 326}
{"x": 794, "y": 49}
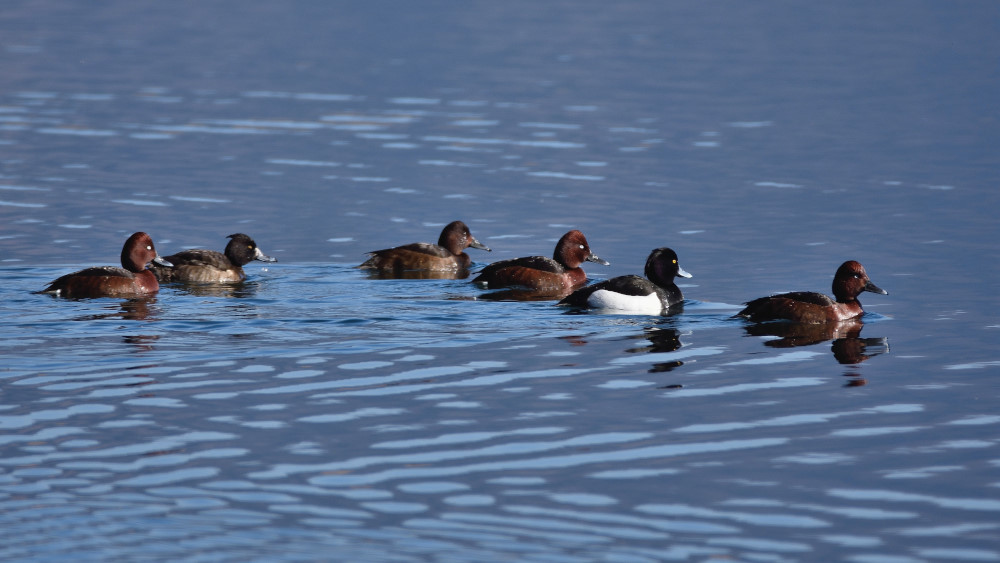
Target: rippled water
{"x": 316, "y": 413}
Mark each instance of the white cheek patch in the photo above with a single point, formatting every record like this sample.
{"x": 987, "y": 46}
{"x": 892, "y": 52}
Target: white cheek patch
{"x": 609, "y": 300}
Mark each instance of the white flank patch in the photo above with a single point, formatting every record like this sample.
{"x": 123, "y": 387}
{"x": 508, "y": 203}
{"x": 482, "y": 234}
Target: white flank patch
{"x": 609, "y": 300}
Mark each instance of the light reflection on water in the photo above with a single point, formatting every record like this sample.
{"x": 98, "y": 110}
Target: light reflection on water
{"x": 417, "y": 415}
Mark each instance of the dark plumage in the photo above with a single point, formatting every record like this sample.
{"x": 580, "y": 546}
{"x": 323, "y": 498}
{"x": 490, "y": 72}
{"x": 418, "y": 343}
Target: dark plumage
{"x": 447, "y": 255}
{"x": 132, "y": 279}
{"x": 850, "y": 281}
{"x": 208, "y": 266}
{"x": 653, "y": 294}
{"x": 560, "y": 273}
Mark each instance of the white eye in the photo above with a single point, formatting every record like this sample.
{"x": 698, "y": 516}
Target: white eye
{"x": 149, "y": 248}
{"x": 582, "y": 247}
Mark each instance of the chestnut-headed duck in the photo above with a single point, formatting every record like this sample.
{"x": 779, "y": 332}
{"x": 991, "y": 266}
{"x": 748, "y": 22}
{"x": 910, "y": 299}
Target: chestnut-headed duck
{"x": 561, "y": 273}
{"x": 448, "y": 255}
{"x": 131, "y": 280}
{"x": 850, "y": 281}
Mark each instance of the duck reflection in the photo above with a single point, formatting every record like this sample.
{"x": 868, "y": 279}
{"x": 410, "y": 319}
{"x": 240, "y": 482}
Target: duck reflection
{"x": 658, "y": 340}
{"x": 235, "y": 290}
{"x": 661, "y": 339}
{"x": 135, "y": 309}
{"x": 141, "y": 342}
{"x": 524, "y": 295}
{"x": 459, "y": 274}
{"x": 848, "y": 347}
{"x": 138, "y": 309}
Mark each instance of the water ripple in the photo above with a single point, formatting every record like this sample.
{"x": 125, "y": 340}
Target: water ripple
{"x": 896, "y": 496}
{"x": 165, "y": 444}
{"x": 794, "y": 420}
{"x": 314, "y": 410}
{"x": 559, "y": 461}
{"x": 745, "y": 387}
{"x": 757, "y": 519}
{"x": 25, "y": 420}
{"x": 465, "y": 437}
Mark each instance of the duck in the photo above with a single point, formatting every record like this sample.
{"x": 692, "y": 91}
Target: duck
{"x": 558, "y": 274}
{"x": 199, "y": 265}
{"x": 448, "y": 255}
{"x": 131, "y": 280}
{"x": 651, "y": 295}
{"x": 850, "y": 281}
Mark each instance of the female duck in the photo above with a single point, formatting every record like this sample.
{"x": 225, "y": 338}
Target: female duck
{"x": 208, "y": 266}
{"x": 850, "y": 281}
{"x": 651, "y": 295}
{"x": 132, "y": 280}
{"x": 448, "y": 255}
{"x": 561, "y": 273}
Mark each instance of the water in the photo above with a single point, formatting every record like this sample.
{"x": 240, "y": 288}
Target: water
{"x": 315, "y": 413}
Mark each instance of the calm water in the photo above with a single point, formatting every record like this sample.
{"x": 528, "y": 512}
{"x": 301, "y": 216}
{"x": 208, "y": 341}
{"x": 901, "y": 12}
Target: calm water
{"x": 313, "y": 413}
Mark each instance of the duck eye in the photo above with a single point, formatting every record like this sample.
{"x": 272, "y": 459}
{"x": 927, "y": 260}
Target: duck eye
{"x": 675, "y": 261}
{"x": 583, "y": 247}
{"x": 148, "y": 247}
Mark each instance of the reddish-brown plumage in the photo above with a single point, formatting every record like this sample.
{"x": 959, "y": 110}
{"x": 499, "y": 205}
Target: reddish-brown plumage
{"x": 808, "y": 307}
{"x": 560, "y": 273}
{"x": 447, "y": 255}
{"x": 133, "y": 279}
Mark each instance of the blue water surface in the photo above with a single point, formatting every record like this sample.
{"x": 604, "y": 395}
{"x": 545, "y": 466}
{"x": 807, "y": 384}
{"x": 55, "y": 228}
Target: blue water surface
{"x": 317, "y": 413}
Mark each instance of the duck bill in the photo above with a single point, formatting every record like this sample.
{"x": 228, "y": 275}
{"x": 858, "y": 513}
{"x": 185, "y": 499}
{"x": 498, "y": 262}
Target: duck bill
{"x": 682, "y": 273}
{"x": 875, "y": 289}
{"x": 476, "y": 244}
{"x": 598, "y": 259}
{"x": 162, "y": 262}
{"x": 258, "y": 255}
